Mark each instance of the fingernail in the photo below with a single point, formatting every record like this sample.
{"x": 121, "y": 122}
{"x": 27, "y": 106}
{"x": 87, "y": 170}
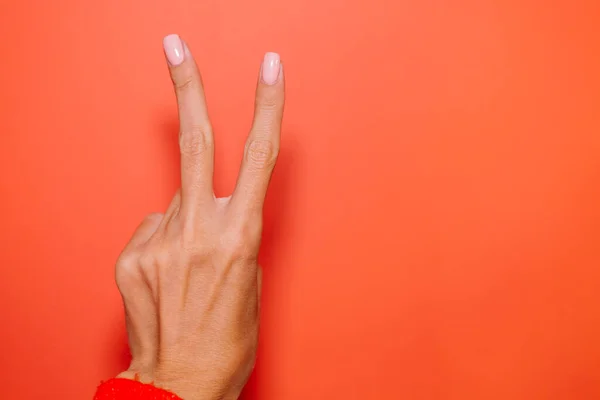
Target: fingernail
{"x": 270, "y": 68}
{"x": 173, "y": 49}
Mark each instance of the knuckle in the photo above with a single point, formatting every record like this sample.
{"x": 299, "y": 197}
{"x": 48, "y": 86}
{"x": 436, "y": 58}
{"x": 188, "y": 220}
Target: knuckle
{"x": 190, "y": 237}
{"x": 150, "y": 259}
{"x": 262, "y": 153}
{"x": 195, "y": 141}
{"x": 157, "y": 257}
{"x": 155, "y": 216}
{"x": 184, "y": 82}
{"x": 126, "y": 270}
{"x": 268, "y": 104}
{"x": 238, "y": 245}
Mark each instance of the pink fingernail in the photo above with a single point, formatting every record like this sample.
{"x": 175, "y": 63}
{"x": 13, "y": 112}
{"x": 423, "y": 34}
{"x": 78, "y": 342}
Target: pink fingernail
{"x": 270, "y": 68}
{"x": 173, "y": 49}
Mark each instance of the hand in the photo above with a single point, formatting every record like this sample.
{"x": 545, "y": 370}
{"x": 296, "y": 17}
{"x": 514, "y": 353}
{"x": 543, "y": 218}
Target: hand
{"x": 189, "y": 279}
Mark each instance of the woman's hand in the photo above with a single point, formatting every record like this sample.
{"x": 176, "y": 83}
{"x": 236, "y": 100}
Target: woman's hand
{"x": 189, "y": 278}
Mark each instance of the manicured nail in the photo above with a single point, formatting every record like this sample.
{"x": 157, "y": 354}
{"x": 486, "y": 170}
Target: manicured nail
{"x": 173, "y": 49}
{"x": 270, "y": 68}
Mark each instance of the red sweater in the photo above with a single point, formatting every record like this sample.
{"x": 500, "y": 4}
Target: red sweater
{"x": 127, "y": 389}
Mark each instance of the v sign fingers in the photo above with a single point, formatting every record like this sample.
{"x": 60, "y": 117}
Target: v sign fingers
{"x": 190, "y": 280}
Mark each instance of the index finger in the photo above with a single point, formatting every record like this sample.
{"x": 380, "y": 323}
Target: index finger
{"x": 262, "y": 145}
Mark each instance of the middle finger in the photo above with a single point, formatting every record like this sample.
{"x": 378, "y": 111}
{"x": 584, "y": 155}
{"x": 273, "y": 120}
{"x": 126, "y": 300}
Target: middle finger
{"x": 195, "y": 131}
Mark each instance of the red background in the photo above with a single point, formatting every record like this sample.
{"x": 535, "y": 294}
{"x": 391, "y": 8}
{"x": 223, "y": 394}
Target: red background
{"x": 433, "y": 226}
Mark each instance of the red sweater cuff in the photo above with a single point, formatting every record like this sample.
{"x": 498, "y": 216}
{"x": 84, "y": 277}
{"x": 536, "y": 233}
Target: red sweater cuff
{"x": 127, "y": 389}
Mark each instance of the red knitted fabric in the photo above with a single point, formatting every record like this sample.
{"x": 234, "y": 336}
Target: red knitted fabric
{"x": 127, "y": 389}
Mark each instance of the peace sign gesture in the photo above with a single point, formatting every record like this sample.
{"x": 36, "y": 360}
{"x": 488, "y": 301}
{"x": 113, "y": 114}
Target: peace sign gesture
{"x": 189, "y": 279}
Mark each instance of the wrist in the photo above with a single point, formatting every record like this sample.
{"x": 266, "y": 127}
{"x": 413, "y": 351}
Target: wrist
{"x": 129, "y": 389}
{"x": 177, "y": 388}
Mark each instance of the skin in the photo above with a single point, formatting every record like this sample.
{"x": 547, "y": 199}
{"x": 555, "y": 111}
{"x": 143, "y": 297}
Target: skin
{"x": 189, "y": 278}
